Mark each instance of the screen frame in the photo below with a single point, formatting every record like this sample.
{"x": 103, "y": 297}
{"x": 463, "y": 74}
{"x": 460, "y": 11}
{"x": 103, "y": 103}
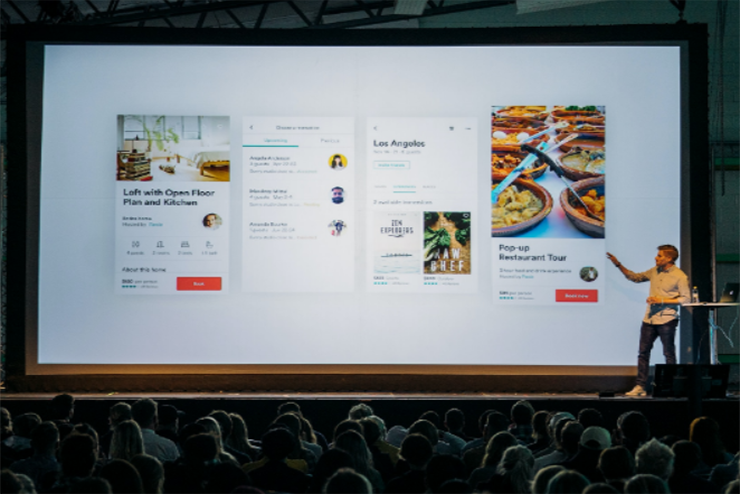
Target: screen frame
{"x": 25, "y": 59}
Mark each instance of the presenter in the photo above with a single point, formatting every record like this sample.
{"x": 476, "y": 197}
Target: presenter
{"x": 669, "y": 288}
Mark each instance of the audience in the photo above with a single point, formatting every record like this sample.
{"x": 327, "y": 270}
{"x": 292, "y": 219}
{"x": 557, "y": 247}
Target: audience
{"x": 528, "y": 452}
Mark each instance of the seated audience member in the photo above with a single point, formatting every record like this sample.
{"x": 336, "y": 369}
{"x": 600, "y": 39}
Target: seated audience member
{"x": 354, "y": 444}
{"x": 654, "y": 458}
{"x": 347, "y": 481}
{"x": 704, "y": 431}
{"x": 567, "y": 482}
{"x": 495, "y": 448}
{"x": 85, "y": 428}
{"x": 43, "y": 462}
{"x": 381, "y": 461}
{"x": 275, "y": 474}
{"x": 540, "y": 438}
{"x": 416, "y": 451}
{"x": 77, "y": 458}
{"x": 360, "y": 411}
{"x": 9, "y": 482}
{"x": 553, "y": 432}
{"x": 442, "y": 468}
{"x": 514, "y": 472}
{"x": 168, "y": 422}
{"x": 144, "y": 412}
{"x": 116, "y": 414}
{"x": 687, "y": 457}
{"x": 122, "y": 477}
{"x": 346, "y": 425}
{"x": 225, "y": 477}
{"x": 292, "y": 406}
{"x": 27, "y": 485}
{"x": 127, "y": 441}
{"x": 384, "y": 446}
{"x": 428, "y": 429}
{"x": 22, "y": 427}
{"x": 633, "y": 430}
{"x": 562, "y": 450}
{"x": 151, "y": 472}
{"x": 617, "y": 465}
{"x": 590, "y": 417}
{"x": 449, "y": 444}
{"x": 190, "y": 472}
{"x": 328, "y": 464}
{"x": 186, "y": 431}
{"x": 455, "y": 423}
{"x": 294, "y": 424}
{"x": 212, "y": 428}
{"x": 592, "y": 442}
{"x": 645, "y": 483}
{"x": 61, "y": 411}
{"x": 495, "y": 422}
{"x": 226, "y": 426}
{"x": 722, "y": 475}
{"x": 91, "y": 485}
{"x": 483, "y": 440}
{"x": 601, "y": 488}
{"x": 521, "y": 421}
{"x": 239, "y": 438}
{"x": 543, "y": 477}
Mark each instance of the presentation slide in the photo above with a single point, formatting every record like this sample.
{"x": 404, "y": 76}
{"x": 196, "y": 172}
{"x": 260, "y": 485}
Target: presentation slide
{"x": 353, "y": 205}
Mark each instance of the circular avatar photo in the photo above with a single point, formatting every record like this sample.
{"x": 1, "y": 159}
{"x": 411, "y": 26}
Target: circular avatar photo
{"x": 589, "y": 273}
{"x": 338, "y": 162}
{"x": 212, "y": 221}
{"x": 337, "y": 195}
{"x": 337, "y": 227}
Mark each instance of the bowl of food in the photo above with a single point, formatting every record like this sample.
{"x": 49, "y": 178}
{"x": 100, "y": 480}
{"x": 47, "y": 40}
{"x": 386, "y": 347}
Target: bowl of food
{"x": 538, "y": 112}
{"x": 580, "y": 164}
{"x": 502, "y": 163}
{"x": 581, "y": 116}
{"x": 516, "y": 123}
{"x": 519, "y": 208}
{"x": 591, "y": 191}
{"x": 507, "y": 140}
{"x": 584, "y": 130}
{"x": 583, "y": 141}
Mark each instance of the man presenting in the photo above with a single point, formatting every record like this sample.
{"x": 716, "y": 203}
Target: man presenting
{"x": 669, "y": 287}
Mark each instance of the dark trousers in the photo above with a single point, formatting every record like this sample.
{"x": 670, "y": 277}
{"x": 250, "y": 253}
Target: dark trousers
{"x": 648, "y": 334}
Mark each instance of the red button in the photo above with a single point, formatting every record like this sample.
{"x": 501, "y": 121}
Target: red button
{"x": 576, "y": 295}
{"x": 206, "y": 284}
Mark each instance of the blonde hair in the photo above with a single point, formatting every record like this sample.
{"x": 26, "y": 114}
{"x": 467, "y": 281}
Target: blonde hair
{"x": 127, "y": 441}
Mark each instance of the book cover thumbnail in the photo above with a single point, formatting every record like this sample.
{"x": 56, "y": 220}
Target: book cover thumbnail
{"x": 396, "y": 238}
{"x": 447, "y": 242}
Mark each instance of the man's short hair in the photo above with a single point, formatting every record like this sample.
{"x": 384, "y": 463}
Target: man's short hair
{"x": 45, "y": 436}
{"x": 144, "y": 412}
{"x": 289, "y": 407}
{"x": 522, "y": 412}
{"x": 670, "y": 250}
{"x": 119, "y": 412}
{"x": 455, "y": 419}
{"x": 655, "y": 458}
{"x": 360, "y": 411}
{"x": 337, "y": 188}
{"x": 25, "y": 423}
{"x": 62, "y": 405}
{"x": 416, "y": 450}
{"x": 347, "y": 480}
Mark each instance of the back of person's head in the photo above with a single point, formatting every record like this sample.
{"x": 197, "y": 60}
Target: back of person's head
{"x": 442, "y": 468}
{"x": 122, "y": 476}
{"x": 634, "y": 427}
{"x": 455, "y": 486}
{"x": 278, "y": 443}
{"x": 25, "y": 423}
{"x": 590, "y": 417}
{"x": 347, "y": 425}
{"x": 644, "y": 483}
{"x": 62, "y": 407}
{"x": 616, "y": 463}
{"x": 517, "y": 464}
{"x": 224, "y": 422}
{"x": 427, "y": 429}
{"x": 454, "y": 419}
{"x": 77, "y": 455}
{"x": 200, "y": 448}
{"x": 168, "y": 417}
{"x": 239, "y": 437}
{"x": 91, "y": 485}
{"x": 289, "y": 407}
{"x": 189, "y": 430}
{"x": 151, "y": 472}
{"x": 567, "y": 482}
{"x": 212, "y": 427}
{"x": 85, "y": 428}
{"x": 654, "y": 458}
{"x": 416, "y": 450}
{"x": 290, "y": 421}
{"x": 432, "y": 417}
{"x": 522, "y": 412}
{"x": 225, "y": 477}
{"x": 353, "y": 443}
{"x": 596, "y": 438}
{"x": 360, "y": 411}
{"x": 144, "y": 412}
{"x": 496, "y": 446}
{"x": 543, "y": 476}
{"x": 496, "y": 422}
{"x": 539, "y": 424}
{"x": 381, "y": 424}
{"x": 704, "y": 431}
{"x": 483, "y": 418}
{"x": 329, "y": 462}
{"x": 601, "y": 488}
{"x": 570, "y": 436}
{"x": 9, "y": 482}
{"x": 370, "y": 429}
{"x": 119, "y": 412}
{"x": 45, "y": 438}
{"x": 687, "y": 456}
{"x": 126, "y": 441}
{"x": 554, "y": 423}
{"x": 346, "y": 480}
{"x": 558, "y": 432}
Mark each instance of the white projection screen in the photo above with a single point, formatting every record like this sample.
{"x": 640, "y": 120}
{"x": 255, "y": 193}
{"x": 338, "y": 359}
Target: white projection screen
{"x": 308, "y": 206}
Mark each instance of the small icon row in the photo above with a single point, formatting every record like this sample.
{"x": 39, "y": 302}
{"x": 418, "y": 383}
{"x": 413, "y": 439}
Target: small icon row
{"x": 135, "y": 244}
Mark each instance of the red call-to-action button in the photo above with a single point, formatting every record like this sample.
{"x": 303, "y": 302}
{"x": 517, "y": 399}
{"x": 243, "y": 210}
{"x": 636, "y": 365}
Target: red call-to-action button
{"x": 576, "y": 295}
{"x": 190, "y": 284}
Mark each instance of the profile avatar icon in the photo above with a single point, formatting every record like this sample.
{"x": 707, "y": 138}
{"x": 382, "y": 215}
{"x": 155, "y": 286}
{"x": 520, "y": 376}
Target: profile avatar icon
{"x": 337, "y": 195}
{"x": 338, "y": 162}
{"x": 588, "y": 273}
{"x": 337, "y": 227}
{"x": 212, "y": 221}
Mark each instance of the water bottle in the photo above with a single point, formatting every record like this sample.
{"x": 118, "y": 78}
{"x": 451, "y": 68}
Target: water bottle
{"x": 694, "y": 295}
